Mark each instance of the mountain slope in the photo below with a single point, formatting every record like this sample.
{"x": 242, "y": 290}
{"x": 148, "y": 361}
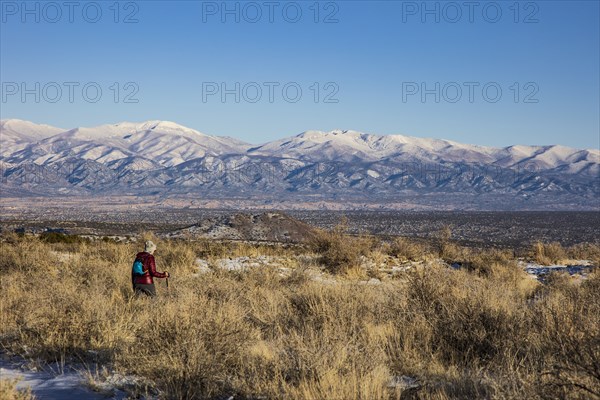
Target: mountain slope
{"x": 164, "y": 158}
{"x": 163, "y": 142}
{"x": 348, "y": 145}
{"x": 16, "y": 134}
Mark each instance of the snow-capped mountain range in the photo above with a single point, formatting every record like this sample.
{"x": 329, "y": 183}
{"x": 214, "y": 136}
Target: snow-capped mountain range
{"x": 165, "y": 158}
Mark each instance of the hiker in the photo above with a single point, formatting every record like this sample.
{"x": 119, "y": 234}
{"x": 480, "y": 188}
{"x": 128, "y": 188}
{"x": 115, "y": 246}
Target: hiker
{"x": 144, "y": 270}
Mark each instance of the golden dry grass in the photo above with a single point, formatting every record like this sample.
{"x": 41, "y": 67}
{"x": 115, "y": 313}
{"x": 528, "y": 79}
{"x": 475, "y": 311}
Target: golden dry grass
{"x": 487, "y": 331}
{"x": 8, "y": 391}
{"x": 555, "y": 253}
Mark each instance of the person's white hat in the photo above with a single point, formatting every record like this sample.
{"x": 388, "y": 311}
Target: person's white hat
{"x": 149, "y": 247}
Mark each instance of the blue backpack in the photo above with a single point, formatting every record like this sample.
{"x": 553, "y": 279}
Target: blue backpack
{"x": 138, "y": 268}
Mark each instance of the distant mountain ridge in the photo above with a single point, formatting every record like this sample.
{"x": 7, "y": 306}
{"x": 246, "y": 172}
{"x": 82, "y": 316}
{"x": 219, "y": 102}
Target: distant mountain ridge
{"x": 168, "y": 159}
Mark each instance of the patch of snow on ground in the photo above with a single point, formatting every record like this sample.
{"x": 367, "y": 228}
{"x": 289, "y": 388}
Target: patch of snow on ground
{"x": 242, "y": 263}
{"x": 403, "y": 382}
{"x": 202, "y": 265}
{"x": 578, "y": 267}
{"x": 65, "y": 256}
{"x": 239, "y": 263}
{"x": 70, "y": 385}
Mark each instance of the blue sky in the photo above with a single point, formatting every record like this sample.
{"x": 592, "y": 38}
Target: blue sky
{"x": 371, "y": 62}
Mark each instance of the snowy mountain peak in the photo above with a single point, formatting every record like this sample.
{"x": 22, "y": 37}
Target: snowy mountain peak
{"x": 339, "y": 132}
{"x": 27, "y": 129}
{"x": 309, "y": 135}
{"x": 125, "y": 130}
{"x": 165, "y": 143}
{"x": 166, "y": 126}
{"x": 336, "y": 134}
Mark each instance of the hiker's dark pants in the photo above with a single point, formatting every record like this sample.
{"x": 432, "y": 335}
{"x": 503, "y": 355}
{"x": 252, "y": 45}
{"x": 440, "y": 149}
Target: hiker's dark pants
{"x": 148, "y": 290}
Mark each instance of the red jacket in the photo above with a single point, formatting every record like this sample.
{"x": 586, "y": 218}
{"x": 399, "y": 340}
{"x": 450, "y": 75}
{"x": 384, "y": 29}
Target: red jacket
{"x": 150, "y": 267}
